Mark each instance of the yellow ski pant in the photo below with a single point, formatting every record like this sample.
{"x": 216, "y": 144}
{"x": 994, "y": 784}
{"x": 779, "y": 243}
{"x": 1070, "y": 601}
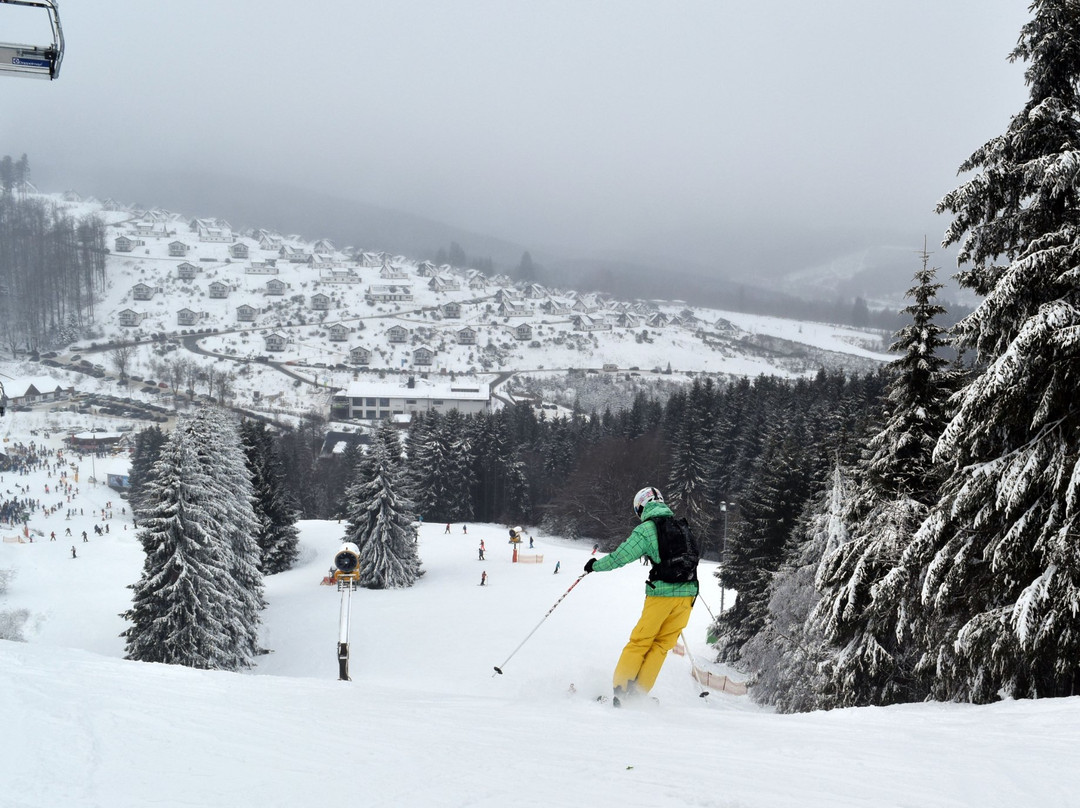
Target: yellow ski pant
{"x": 661, "y": 622}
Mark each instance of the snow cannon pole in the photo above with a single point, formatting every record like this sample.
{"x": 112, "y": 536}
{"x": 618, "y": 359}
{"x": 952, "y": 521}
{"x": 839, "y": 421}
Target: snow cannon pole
{"x": 343, "y": 632}
{"x": 498, "y": 668}
{"x": 693, "y": 665}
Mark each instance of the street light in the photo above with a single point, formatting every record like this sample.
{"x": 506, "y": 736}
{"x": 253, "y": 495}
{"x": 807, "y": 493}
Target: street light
{"x": 723, "y": 551}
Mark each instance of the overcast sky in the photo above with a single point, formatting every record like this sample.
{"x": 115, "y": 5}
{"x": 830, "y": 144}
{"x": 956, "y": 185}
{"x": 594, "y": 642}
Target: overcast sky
{"x": 560, "y": 124}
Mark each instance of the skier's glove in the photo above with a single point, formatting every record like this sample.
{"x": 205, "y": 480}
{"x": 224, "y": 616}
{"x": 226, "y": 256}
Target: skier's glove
{"x": 589, "y": 564}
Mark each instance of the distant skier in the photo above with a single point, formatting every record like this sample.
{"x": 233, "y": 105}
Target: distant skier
{"x": 73, "y": 551}
{"x": 464, "y": 528}
{"x": 483, "y": 578}
{"x": 530, "y": 542}
{"x": 447, "y": 528}
{"x": 557, "y": 565}
{"x": 595, "y": 547}
{"x": 481, "y": 551}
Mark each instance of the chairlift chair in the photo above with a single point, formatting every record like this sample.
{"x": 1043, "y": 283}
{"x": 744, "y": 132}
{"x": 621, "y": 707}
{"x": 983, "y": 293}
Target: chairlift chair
{"x": 34, "y": 61}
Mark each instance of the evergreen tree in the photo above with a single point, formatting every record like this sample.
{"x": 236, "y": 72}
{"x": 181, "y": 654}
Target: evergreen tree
{"x": 148, "y": 443}
{"x": 380, "y": 519}
{"x": 999, "y": 556}
{"x": 277, "y": 535}
{"x": 182, "y": 607}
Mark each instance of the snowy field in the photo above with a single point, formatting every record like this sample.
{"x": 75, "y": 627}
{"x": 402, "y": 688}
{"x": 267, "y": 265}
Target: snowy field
{"x": 425, "y": 721}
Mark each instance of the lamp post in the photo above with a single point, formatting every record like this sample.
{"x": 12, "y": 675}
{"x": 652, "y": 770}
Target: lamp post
{"x": 723, "y": 552}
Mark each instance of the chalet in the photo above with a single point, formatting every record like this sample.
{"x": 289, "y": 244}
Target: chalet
{"x": 657, "y": 320}
{"x": 178, "y": 249}
{"x": 386, "y": 294}
{"x": 627, "y": 320}
{"x": 584, "y": 322}
{"x": 466, "y": 336}
{"x": 581, "y": 306}
{"x": 360, "y": 356}
{"x": 187, "y": 271}
{"x": 324, "y": 261}
{"x": 142, "y": 291}
{"x": 504, "y": 296}
{"x": 239, "y": 251}
{"x": 268, "y": 267}
{"x": 246, "y": 313}
{"x": 277, "y": 287}
{"x": 555, "y": 307}
{"x": 380, "y": 400}
{"x": 535, "y": 291}
{"x": 294, "y": 255}
{"x": 216, "y": 234}
{"x": 188, "y": 317}
{"x": 442, "y": 283}
{"x": 425, "y": 269}
{"x": 219, "y": 290}
{"x": 523, "y": 331}
{"x": 390, "y": 272}
{"x": 269, "y": 241}
{"x": 423, "y": 355}
{"x": 33, "y": 389}
{"x": 130, "y": 317}
{"x": 508, "y": 309}
{"x": 451, "y": 310}
{"x": 324, "y": 245}
{"x": 124, "y": 244}
{"x": 370, "y": 260}
{"x": 339, "y": 332}
{"x": 397, "y": 333}
{"x": 320, "y": 302}
{"x": 152, "y": 229}
{"x": 275, "y": 342}
{"x": 688, "y": 320}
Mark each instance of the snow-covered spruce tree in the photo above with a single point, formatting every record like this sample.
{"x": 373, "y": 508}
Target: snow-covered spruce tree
{"x": 786, "y": 656}
{"x": 183, "y": 602}
{"x": 380, "y": 518}
{"x": 873, "y": 661}
{"x": 690, "y": 432}
{"x": 148, "y": 443}
{"x": 220, "y": 449}
{"x": 277, "y": 535}
{"x": 1001, "y": 553}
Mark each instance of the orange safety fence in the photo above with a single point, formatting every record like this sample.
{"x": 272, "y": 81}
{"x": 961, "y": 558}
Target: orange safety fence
{"x": 530, "y": 558}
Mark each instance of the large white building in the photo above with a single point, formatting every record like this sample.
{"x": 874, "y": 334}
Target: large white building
{"x": 376, "y": 400}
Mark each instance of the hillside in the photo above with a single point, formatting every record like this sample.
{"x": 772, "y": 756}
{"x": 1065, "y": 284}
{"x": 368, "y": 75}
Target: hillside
{"x": 291, "y": 320}
{"x": 425, "y": 720}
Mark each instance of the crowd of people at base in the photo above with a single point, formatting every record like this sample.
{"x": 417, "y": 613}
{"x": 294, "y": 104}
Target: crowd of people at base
{"x": 23, "y": 459}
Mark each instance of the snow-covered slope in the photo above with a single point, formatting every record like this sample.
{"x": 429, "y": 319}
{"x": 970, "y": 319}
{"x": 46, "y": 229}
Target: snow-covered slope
{"x": 425, "y": 720}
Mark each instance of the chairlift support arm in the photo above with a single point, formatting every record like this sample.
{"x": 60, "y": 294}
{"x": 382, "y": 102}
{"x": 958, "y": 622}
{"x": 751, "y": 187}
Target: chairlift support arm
{"x": 34, "y": 61}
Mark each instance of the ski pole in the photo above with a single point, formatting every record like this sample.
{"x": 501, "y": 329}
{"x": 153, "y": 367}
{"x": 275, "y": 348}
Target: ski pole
{"x": 693, "y": 665}
{"x": 498, "y": 668}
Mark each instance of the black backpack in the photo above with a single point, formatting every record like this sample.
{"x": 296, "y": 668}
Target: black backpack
{"x": 679, "y": 553}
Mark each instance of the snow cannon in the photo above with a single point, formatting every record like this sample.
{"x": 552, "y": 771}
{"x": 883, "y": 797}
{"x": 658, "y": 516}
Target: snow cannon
{"x": 347, "y": 560}
{"x": 515, "y": 535}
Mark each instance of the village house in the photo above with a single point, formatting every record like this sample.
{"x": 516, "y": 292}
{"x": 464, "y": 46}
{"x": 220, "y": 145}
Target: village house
{"x": 324, "y": 245}
{"x": 466, "y": 336}
{"x": 219, "y": 290}
{"x": 584, "y": 322}
{"x": 188, "y": 317}
{"x": 523, "y": 331}
{"x": 320, "y": 302}
{"x": 187, "y": 271}
{"x": 339, "y": 332}
{"x": 178, "y": 249}
{"x": 391, "y": 272}
{"x": 508, "y": 309}
{"x": 275, "y": 342}
{"x": 451, "y": 310}
{"x": 423, "y": 355}
{"x": 397, "y": 333}
{"x": 657, "y": 320}
{"x": 34, "y": 389}
{"x": 124, "y": 244}
{"x": 294, "y": 255}
{"x": 142, "y": 291}
{"x": 246, "y": 313}
{"x": 239, "y": 251}
{"x": 555, "y": 307}
{"x": 442, "y": 283}
{"x": 360, "y": 356}
{"x": 386, "y": 294}
{"x": 274, "y": 286}
{"x": 380, "y": 400}
{"x": 269, "y": 241}
{"x": 130, "y": 317}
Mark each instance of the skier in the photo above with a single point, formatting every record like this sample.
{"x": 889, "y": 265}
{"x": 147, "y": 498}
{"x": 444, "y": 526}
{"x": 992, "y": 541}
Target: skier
{"x": 530, "y": 542}
{"x": 483, "y": 578}
{"x": 557, "y": 565}
{"x": 447, "y": 528}
{"x": 481, "y": 549}
{"x": 73, "y": 551}
{"x": 464, "y": 528}
{"x": 667, "y": 602}
{"x": 595, "y": 547}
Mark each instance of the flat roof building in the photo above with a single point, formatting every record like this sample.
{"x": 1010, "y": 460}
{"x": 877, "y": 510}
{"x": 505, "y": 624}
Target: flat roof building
{"x": 379, "y": 400}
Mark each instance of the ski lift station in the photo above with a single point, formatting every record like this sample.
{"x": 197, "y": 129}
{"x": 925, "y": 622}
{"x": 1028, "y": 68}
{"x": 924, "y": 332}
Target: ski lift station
{"x": 41, "y": 60}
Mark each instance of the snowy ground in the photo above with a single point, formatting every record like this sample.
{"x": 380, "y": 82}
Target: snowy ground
{"x": 426, "y": 722}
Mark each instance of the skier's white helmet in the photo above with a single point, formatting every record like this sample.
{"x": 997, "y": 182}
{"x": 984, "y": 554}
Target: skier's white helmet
{"x": 649, "y": 494}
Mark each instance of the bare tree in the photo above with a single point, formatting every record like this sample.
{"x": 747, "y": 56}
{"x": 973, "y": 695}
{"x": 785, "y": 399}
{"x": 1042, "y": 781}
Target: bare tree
{"x": 120, "y": 357}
